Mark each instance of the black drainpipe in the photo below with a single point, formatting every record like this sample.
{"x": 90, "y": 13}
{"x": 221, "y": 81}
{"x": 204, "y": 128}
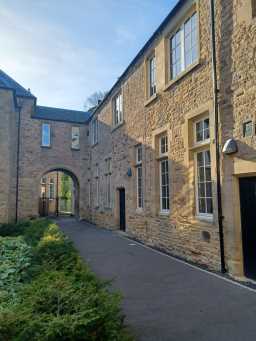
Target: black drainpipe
{"x": 18, "y": 166}
{"x": 217, "y": 142}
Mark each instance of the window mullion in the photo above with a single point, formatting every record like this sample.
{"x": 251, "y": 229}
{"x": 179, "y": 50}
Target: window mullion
{"x": 182, "y": 40}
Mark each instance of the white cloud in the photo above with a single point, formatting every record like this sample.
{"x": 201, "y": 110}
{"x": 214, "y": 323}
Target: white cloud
{"x": 43, "y": 57}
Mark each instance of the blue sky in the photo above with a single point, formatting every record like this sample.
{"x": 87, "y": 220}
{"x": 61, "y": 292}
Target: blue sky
{"x": 65, "y": 50}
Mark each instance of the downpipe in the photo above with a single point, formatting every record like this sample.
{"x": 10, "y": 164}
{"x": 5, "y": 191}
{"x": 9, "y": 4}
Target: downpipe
{"x": 217, "y": 139}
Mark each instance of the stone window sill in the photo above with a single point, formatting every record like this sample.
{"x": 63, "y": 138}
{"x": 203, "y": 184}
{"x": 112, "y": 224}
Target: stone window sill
{"x": 200, "y": 145}
{"x": 205, "y": 218}
{"x": 75, "y": 149}
{"x": 151, "y": 99}
{"x": 164, "y": 213}
{"x": 182, "y": 75}
{"x": 139, "y": 211}
{"x": 46, "y": 147}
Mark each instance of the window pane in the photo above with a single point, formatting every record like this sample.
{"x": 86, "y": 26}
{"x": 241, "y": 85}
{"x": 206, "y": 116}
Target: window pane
{"x": 204, "y": 182}
{"x": 248, "y": 129}
{"x": 164, "y": 189}
{"x": 209, "y": 189}
{"x": 46, "y": 135}
{"x": 209, "y": 206}
{"x": 202, "y": 206}
{"x": 75, "y": 138}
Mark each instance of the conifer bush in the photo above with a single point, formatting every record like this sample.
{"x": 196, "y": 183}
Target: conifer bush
{"x": 58, "y": 296}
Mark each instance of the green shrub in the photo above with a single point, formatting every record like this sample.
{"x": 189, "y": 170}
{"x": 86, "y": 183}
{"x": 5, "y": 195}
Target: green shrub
{"x": 61, "y": 299}
{"x": 15, "y": 258}
{"x": 13, "y": 230}
{"x": 57, "y": 307}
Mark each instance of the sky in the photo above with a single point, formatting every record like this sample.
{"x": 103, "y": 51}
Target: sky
{"x": 65, "y": 50}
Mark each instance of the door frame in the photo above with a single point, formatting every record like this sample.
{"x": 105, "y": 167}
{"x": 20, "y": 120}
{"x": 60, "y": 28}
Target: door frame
{"x": 119, "y": 190}
{"x": 242, "y": 228}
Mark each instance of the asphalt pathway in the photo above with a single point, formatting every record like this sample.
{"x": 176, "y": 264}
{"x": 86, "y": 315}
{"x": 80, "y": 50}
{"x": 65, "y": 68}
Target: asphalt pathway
{"x": 165, "y": 299}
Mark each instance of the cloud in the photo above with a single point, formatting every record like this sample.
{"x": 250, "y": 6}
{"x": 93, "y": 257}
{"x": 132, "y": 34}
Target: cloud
{"x": 48, "y": 60}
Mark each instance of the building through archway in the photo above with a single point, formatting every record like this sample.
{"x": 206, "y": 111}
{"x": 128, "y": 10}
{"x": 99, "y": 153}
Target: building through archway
{"x": 58, "y": 194}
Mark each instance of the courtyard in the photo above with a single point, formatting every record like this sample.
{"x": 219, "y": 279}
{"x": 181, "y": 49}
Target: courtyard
{"x": 166, "y": 299}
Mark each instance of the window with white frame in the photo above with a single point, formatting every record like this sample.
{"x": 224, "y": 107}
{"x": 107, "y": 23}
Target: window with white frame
{"x": 118, "y": 109}
{"x": 89, "y": 194}
{"x": 152, "y": 75}
{"x": 202, "y": 130}
{"x": 51, "y": 189}
{"x": 43, "y": 187}
{"x": 75, "y": 132}
{"x": 139, "y": 176}
{"x": 94, "y": 131}
{"x": 108, "y": 182}
{"x": 46, "y": 135}
{"x": 248, "y": 129}
{"x": 164, "y": 186}
{"x": 204, "y": 183}
{"x": 97, "y": 189}
{"x": 164, "y": 174}
{"x": 184, "y": 46}
{"x": 163, "y": 145}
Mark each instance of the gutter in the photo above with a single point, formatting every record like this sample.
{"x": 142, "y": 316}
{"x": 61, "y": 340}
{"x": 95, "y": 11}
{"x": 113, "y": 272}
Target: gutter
{"x": 217, "y": 138}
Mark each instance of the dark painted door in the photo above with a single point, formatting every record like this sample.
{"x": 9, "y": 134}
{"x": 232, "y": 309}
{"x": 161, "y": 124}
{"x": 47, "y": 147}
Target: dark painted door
{"x": 122, "y": 208}
{"x": 248, "y": 219}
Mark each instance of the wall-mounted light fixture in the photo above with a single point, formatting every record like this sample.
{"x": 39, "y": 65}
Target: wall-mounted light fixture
{"x": 129, "y": 172}
{"x": 230, "y": 147}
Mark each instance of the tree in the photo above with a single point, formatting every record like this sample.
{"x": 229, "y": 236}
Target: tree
{"x": 94, "y": 99}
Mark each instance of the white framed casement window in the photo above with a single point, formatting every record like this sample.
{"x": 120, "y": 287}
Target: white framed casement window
{"x": 184, "y": 47}
{"x": 108, "y": 164}
{"x": 202, "y": 131}
{"x": 94, "y": 131}
{"x": 204, "y": 197}
{"x": 51, "y": 189}
{"x": 139, "y": 177}
{"x": 89, "y": 194}
{"x": 164, "y": 174}
{"x": 118, "y": 110}
{"x": 163, "y": 145}
{"x": 97, "y": 187}
{"x": 152, "y": 76}
{"x": 43, "y": 187}
{"x": 248, "y": 129}
{"x": 75, "y": 138}
{"x": 46, "y": 135}
{"x": 164, "y": 186}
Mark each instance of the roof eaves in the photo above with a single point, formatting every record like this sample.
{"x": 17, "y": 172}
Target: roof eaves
{"x": 154, "y": 36}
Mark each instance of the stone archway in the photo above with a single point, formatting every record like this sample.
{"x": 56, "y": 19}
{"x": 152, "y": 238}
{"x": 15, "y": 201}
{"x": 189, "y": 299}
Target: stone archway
{"x": 50, "y": 193}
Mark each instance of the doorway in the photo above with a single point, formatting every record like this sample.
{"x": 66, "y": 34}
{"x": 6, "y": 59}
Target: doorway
{"x": 122, "y": 209}
{"x": 248, "y": 222}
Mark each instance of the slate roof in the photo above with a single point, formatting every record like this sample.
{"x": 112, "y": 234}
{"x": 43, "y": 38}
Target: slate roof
{"x": 63, "y": 115}
{"x": 7, "y": 82}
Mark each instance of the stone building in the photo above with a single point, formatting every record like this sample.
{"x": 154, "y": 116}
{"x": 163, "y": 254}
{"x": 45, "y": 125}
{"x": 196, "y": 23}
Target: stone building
{"x": 35, "y": 141}
{"x": 169, "y": 154}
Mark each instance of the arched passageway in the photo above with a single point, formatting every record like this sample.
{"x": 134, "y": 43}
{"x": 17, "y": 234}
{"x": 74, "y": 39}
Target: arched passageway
{"x": 58, "y": 194}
